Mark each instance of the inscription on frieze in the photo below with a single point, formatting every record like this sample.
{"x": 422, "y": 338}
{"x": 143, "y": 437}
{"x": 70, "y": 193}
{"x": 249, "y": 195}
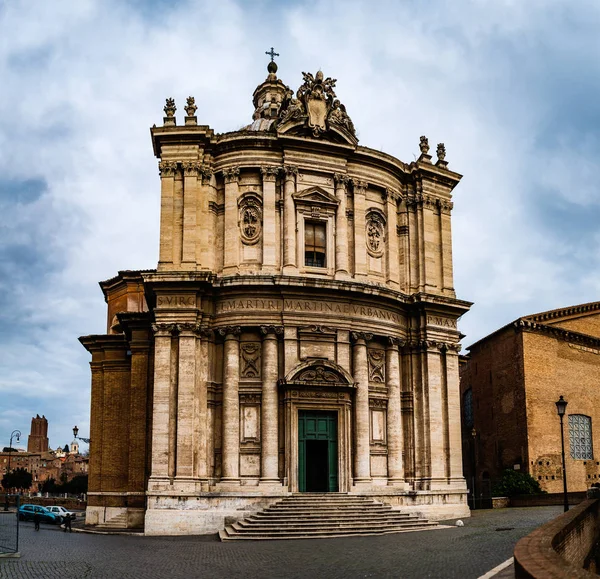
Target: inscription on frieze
{"x": 308, "y": 306}
{"x": 175, "y": 301}
{"x": 440, "y": 321}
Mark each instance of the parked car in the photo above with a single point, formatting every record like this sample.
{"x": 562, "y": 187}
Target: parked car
{"x": 26, "y": 513}
{"x": 61, "y": 512}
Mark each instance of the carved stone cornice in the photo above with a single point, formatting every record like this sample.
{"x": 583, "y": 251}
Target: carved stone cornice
{"x": 341, "y": 179}
{"x": 378, "y": 403}
{"x": 361, "y": 336}
{"x": 231, "y": 175}
{"x": 191, "y": 168}
{"x": 558, "y": 333}
{"x": 167, "y": 168}
{"x": 230, "y": 332}
{"x": 269, "y": 173}
{"x": 360, "y": 187}
{"x": 290, "y": 171}
{"x": 250, "y": 397}
{"x": 266, "y": 330}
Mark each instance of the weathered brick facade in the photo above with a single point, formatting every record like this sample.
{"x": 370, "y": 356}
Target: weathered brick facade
{"x": 516, "y": 375}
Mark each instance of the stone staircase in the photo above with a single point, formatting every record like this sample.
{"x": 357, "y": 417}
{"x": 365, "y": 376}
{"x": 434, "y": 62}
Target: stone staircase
{"x": 322, "y": 515}
{"x": 117, "y": 522}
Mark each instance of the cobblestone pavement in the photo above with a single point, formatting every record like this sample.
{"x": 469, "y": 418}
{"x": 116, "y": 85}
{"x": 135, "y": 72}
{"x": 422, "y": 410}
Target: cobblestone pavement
{"x": 486, "y": 540}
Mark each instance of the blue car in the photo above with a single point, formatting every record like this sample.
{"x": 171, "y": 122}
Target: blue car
{"x": 27, "y": 512}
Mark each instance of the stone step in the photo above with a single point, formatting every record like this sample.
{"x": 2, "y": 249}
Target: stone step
{"x": 243, "y": 525}
{"x": 306, "y": 516}
{"x": 230, "y": 534}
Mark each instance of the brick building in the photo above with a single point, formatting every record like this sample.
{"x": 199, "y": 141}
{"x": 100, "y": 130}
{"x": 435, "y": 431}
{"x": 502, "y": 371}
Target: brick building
{"x": 38, "y": 437}
{"x": 509, "y": 383}
{"x": 299, "y": 333}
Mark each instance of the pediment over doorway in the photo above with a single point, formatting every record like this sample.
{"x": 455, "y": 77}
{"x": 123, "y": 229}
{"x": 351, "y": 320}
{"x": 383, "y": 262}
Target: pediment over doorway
{"x": 319, "y": 373}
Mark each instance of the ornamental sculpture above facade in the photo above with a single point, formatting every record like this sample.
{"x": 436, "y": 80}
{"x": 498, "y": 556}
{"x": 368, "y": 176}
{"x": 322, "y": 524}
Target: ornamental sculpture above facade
{"x": 301, "y": 277}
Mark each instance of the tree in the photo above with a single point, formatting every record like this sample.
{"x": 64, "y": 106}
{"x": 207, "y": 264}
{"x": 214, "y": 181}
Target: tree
{"x": 514, "y": 482}
{"x": 9, "y": 449}
{"x": 17, "y": 479}
{"x": 48, "y": 486}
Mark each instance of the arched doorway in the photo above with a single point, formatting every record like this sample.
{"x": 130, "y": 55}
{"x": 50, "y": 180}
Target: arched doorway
{"x": 317, "y": 397}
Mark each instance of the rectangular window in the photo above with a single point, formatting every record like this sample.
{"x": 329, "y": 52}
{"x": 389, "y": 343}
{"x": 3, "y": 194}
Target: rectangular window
{"x": 314, "y": 243}
{"x": 580, "y": 437}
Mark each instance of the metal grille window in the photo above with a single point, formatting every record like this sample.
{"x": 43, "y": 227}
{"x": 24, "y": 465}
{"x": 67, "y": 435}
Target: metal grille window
{"x": 468, "y": 408}
{"x": 314, "y": 244}
{"x": 580, "y": 436}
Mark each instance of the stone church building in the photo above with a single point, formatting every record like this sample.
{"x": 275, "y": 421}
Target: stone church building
{"x": 298, "y": 335}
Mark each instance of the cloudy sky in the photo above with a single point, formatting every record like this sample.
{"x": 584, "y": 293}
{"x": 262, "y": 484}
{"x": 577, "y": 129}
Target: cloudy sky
{"x": 511, "y": 88}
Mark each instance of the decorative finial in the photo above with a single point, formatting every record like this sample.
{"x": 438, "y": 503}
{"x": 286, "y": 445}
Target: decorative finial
{"x": 170, "y": 109}
{"x": 441, "y": 152}
{"x": 424, "y": 145}
{"x": 272, "y": 66}
{"x": 190, "y": 109}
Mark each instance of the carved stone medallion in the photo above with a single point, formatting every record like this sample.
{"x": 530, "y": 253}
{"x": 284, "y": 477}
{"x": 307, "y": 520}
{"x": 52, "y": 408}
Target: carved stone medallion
{"x": 250, "y": 220}
{"x": 375, "y": 234}
{"x": 377, "y": 366}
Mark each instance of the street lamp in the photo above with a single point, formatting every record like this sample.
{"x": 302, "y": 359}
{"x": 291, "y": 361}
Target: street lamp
{"x": 75, "y": 432}
{"x": 13, "y": 434}
{"x": 561, "y": 408}
{"x": 474, "y": 466}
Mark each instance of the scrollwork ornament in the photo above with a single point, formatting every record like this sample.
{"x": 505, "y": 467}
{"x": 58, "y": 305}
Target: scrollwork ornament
{"x": 361, "y": 336}
{"x": 206, "y": 173}
{"x": 290, "y": 171}
{"x": 341, "y": 179}
{"x": 360, "y": 187}
{"x": 163, "y": 330}
{"x": 269, "y": 173}
{"x": 191, "y": 168}
{"x": 266, "y": 330}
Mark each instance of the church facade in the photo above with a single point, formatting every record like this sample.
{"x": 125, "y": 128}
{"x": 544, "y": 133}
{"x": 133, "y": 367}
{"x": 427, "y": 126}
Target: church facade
{"x": 298, "y": 335}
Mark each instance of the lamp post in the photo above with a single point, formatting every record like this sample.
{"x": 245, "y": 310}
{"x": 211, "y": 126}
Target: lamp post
{"x": 76, "y": 431}
{"x": 474, "y": 465}
{"x": 561, "y": 407}
{"x": 13, "y": 434}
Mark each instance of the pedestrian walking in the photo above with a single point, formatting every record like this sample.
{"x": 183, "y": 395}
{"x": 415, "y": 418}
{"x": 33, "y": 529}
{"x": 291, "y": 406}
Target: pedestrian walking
{"x": 68, "y": 523}
{"x": 36, "y": 520}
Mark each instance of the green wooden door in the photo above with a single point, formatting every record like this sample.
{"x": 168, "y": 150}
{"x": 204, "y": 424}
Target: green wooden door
{"x": 317, "y": 451}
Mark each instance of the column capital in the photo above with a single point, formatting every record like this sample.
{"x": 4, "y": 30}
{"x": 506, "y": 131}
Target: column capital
{"x": 271, "y": 330}
{"x": 391, "y": 196}
{"x": 231, "y": 175}
{"x": 454, "y": 348}
{"x": 393, "y": 342}
{"x": 445, "y": 206}
{"x": 230, "y": 332}
{"x": 361, "y": 337}
{"x": 162, "y": 330}
{"x": 341, "y": 178}
{"x": 206, "y": 173}
{"x": 167, "y": 168}
{"x": 360, "y": 187}
{"x": 269, "y": 173}
{"x": 290, "y": 171}
{"x": 187, "y": 327}
{"x": 191, "y": 168}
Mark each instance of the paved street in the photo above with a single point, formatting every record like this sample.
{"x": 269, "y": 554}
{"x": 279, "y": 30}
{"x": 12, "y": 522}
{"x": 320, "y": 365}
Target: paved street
{"x": 486, "y": 540}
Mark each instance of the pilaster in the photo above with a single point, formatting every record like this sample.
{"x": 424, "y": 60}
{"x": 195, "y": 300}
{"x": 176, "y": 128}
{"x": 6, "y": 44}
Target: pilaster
{"x": 289, "y": 224}
{"x": 362, "y": 453}
{"x": 185, "y": 399}
{"x": 360, "y": 245}
{"x": 393, "y": 262}
{"x": 167, "y": 187}
{"x": 230, "y": 440}
{"x": 454, "y": 417}
{"x": 341, "y": 227}
{"x": 445, "y": 207}
{"x": 190, "y": 214}
{"x": 394, "y": 413}
{"x": 269, "y": 457}
{"x": 270, "y": 237}
{"x": 231, "y": 234}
